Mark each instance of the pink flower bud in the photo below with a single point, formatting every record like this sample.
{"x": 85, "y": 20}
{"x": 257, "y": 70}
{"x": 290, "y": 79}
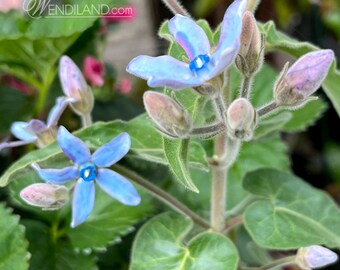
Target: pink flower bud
{"x": 94, "y": 71}
{"x": 241, "y": 119}
{"x": 75, "y": 86}
{"x": 250, "y": 56}
{"x": 6, "y": 5}
{"x": 315, "y": 257}
{"x": 169, "y": 116}
{"x": 124, "y": 86}
{"x": 45, "y": 196}
{"x": 303, "y": 78}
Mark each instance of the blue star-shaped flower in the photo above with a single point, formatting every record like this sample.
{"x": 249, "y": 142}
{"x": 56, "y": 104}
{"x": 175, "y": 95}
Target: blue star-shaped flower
{"x": 89, "y": 169}
{"x": 204, "y": 65}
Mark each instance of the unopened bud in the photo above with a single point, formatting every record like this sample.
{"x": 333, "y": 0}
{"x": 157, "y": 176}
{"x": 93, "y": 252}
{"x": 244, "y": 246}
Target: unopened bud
{"x": 241, "y": 119}
{"x": 315, "y": 257}
{"x": 250, "y": 56}
{"x": 75, "y": 86}
{"x": 46, "y": 196}
{"x": 252, "y": 5}
{"x": 302, "y": 79}
{"x": 169, "y": 116}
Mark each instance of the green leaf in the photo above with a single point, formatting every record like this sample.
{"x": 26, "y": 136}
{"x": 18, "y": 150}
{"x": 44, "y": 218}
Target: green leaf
{"x": 272, "y": 124}
{"x": 49, "y": 253}
{"x": 290, "y": 213}
{"x": 146, "y": 144}
{"x": 254, "y": 155}
{"x": 306, "y": 116}
{"x": 108, "y": 222}
{"x": 13, "y": 251}
{"x": 276, "y": 40}
{"x": 176, "y": 152}
{"x": 159, "y": 244}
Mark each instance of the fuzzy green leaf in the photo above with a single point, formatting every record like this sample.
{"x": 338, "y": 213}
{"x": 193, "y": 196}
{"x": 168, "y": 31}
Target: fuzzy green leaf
{"x": 159, "y": 244}
{"x": 13, "y": 250}
{"x": 290, "y": 213}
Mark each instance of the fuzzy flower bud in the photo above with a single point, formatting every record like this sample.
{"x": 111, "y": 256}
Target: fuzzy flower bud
{"x": 241, "y": 119}
{"x": 46, "y": 196}
{"x": 169, "y": 116}
{"x": 302, "y": 79}
{"x": 75, "y": 86}
{"x": 250, "y": 56}
{"x": 315, "y": 257}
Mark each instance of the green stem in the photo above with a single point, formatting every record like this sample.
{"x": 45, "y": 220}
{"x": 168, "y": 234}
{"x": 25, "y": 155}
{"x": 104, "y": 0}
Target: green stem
{"x": 239, "y": 208}
{"x": 290, "y": 260}
{"x": 43, "y": 91}
{"x": 208, "y": 130}
{"x": 232, "y": 223}
{"x": 267, "y": 109}
{"x": 246, "y": 87}
{"x": 162, "y": 196}
{"x": 86, "y": 120}
{"x": 219, "y": 183}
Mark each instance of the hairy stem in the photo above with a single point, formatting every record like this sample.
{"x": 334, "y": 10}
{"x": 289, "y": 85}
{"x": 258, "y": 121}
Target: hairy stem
{"x": 245, "y": 92}
{"x": 219, "y": 183}
{"x": 232, "y": 223}
{"x": 86, "y": 120}
{"x": 209, "y": 130}
{"x": 290, "y": 260}
{"x": 162, "y": 196}
{"x": 220, "y": 108}
{"x": 176, "y": 7}
{"x": 267, "y": 109}
{"x": 239, "y": 208}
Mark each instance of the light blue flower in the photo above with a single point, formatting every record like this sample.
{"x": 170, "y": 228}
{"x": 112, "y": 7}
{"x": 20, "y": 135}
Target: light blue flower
{"x": 37, "y": 131}
{"x": 205, "y": 63}
{"x": 89, "y": 169}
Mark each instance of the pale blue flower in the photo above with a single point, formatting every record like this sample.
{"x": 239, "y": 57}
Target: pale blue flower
{"x": 205, "y": 62}
{"x": 89, "y": 169}
{"x": 37, "y": 131}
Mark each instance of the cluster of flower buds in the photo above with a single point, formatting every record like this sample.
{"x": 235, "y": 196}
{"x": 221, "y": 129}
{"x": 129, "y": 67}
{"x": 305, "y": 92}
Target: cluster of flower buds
{"x": 74, "y": 86}
{"x": 171, "y": 118}
{"x": 46, "y": 196}
{"x": 251, "y": 53}
{"x": 295, "y": 84}
{"x": 241, "y": 119}
{"x": 315, "y": 257}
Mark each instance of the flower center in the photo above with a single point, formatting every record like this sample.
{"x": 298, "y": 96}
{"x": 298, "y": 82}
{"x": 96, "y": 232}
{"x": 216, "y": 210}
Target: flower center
{"x": 88, "y": 172}
{"x": 199, "y": 62}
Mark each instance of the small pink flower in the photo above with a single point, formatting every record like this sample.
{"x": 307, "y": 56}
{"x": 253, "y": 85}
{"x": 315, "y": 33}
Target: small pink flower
{"x": 121, "y": 14}
{"x": 6, "y": 5}
{"x": 124, "y": 86}
{"x": 93, "y": 71}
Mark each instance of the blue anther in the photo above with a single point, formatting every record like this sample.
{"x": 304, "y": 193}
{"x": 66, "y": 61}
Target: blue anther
{"x": 88, "y": 172}
{"x": 199, "y": 62}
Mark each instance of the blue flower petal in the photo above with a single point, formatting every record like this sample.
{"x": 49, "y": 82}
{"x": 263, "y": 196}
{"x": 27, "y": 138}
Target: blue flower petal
{"x": 113, "y": 151}
{"x": 58, "y": 109}
{"x": 73, "y": 147}
{"x": 164, "y": 71}
{"x": 190, "y": 36}
{"x": 83, "y": 201}
{"x": 229, "y": 43}
{"x": 57, "y": 176}
{"x": 20, "y": 131}
{"x": 118, "y": 187}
